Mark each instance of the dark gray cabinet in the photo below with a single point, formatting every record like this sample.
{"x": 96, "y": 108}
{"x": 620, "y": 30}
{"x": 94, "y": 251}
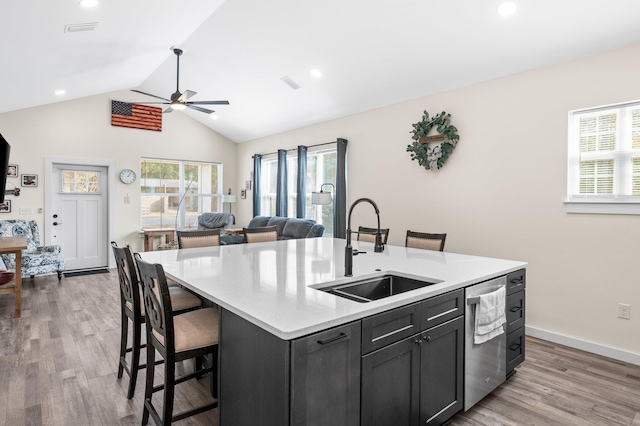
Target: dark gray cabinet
{"x": 414, "y": 380}
{"x": 267, "y": 381}
{"x": 442, "y": 378}
{"x": 515, "y": 312}
{"x": 391, "y": 384}
{"x": 325, "y": 377}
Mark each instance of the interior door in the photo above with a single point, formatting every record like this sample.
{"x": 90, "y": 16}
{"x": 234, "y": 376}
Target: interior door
{"x": 79, "y": 214}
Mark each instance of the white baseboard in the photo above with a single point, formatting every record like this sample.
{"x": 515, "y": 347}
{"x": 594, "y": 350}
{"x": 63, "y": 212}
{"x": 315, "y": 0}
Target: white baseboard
{"x": 595, "y": 348}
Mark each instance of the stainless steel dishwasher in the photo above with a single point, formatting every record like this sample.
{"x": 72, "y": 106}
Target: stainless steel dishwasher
{"x": 485, "y": 363}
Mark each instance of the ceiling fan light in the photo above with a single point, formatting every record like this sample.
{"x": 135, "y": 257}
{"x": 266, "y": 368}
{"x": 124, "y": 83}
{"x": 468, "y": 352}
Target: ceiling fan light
{"x": 507, "y": 8}
{"x": 178, "y": 106}
{"x": 88, "y": 3}
{"x": 213, "y": 116}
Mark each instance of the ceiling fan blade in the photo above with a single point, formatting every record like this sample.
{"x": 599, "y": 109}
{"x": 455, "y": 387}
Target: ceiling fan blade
{"x": 168, "y": 110}
{"x": 197, "y": 108}
{"x": 208, "y": 103}
{"x": 149, "y": 94}
{"x": 186, "y": 95}
{"x": 153, "y": 103}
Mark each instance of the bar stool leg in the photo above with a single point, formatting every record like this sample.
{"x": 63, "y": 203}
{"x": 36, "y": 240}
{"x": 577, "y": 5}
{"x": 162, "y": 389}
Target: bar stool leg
{"x": 148, "y": 390}
{"x": 135, "y": 359}
{"x": 124, "y": 335}
{"x": 169, "y": 388}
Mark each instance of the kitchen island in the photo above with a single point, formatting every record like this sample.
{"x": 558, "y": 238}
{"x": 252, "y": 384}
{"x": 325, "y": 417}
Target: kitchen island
{"x": 275, "y": 320}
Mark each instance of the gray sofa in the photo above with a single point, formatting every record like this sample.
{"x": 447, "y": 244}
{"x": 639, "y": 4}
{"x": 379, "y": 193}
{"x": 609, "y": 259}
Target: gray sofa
{"x": 288, "y": 228}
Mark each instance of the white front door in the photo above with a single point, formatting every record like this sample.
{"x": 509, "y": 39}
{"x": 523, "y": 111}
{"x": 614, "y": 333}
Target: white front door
{"x": 79, "y": 214}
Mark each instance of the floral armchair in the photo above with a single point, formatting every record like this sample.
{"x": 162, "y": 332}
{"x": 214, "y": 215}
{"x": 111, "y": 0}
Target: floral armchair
{"x": 36, "y": 259}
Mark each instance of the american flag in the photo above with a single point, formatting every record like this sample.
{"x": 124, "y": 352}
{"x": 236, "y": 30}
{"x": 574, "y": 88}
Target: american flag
{"x": 136, "y": 116}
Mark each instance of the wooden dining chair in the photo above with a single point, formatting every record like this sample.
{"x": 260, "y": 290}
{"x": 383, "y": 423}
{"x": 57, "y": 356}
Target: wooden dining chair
{"x": 132, "y": 309}
{"x": 193, "y": 239}
{"x": 423, "y": 240}
{"x": 176, "y": 338}
{"x": 260, "y": 234}
{"x": 369, "y": 234}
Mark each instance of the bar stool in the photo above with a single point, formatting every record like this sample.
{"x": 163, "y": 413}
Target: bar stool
{"x": 193, "y": 239}
{"x": 132, "y": 309}
{"x": 423, "y": 240}
{"x": 176, "y": 338}
{"x": 369, "y": 234}
{"x": 260, "y": 234}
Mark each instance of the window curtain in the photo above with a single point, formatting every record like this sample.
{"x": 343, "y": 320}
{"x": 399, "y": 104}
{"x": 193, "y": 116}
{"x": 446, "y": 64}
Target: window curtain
{"x": 301, "y": 199}
{"x": 281, "y": 187}
{"x": 257, "y": 169}
{"x": 340, "y": 199}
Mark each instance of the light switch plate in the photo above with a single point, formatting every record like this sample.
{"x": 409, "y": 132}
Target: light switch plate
{"x": 26, "y": 210}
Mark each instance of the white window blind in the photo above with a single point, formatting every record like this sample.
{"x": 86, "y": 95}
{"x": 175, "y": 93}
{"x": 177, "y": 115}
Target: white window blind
{"x": 604, "y": 160}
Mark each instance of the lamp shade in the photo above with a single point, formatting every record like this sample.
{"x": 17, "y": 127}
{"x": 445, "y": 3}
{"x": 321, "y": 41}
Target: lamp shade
{"x": 228, "y": 198}
{"x": 321, "y": 198}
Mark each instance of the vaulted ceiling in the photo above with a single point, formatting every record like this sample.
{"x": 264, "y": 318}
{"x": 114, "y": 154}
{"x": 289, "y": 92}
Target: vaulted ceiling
{"x": 371, "y": 53}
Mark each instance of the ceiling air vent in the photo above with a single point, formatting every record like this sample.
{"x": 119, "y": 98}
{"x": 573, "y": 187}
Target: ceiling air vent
{"x": 76, "y": 28}
{"x": 287, "y": 80}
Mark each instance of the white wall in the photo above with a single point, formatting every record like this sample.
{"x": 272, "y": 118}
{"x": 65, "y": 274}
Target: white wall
{"x": 501, "y": 192}
{"x": 82, "y": 129}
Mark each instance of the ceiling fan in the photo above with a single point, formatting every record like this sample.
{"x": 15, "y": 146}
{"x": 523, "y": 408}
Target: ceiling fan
{"x": 178, "y": 100}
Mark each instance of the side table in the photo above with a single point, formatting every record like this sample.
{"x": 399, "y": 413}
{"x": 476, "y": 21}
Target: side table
{"x": 157, "y": 232}
{"x": 14, "y": 245}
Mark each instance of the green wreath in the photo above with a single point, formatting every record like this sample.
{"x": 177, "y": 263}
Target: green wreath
{"x": 433, "y": 158}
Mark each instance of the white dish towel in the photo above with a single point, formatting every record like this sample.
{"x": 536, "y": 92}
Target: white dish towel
{"x": 489, "y": 316}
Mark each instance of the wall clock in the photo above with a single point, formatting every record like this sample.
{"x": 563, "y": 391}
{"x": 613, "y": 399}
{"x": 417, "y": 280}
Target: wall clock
{"x": 127, "y": 176}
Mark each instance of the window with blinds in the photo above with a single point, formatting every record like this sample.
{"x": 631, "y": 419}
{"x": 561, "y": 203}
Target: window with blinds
{"x": 604, "y": 160}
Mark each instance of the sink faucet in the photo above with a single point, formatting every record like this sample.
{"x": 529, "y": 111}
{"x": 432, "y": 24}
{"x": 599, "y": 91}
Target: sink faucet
{"x": 348, "y": 250}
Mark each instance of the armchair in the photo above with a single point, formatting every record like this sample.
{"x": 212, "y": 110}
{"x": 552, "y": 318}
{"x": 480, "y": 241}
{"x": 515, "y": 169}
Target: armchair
{"x": 37, "y": 259}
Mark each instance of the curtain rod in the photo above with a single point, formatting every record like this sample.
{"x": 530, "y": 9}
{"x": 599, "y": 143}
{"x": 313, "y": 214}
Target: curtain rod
{"x": 295, "y": 149}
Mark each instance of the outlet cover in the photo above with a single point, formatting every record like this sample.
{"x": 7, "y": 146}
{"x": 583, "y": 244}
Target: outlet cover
{"x": 26, "y": 210}
{"x": 624, "y": 311}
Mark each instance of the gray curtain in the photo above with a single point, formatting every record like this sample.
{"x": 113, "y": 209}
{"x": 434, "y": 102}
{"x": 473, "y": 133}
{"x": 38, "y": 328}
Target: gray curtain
{"x": 257, "y": 169}
{"x": 340, "y": 199}
{"x": 281, "y": 188}
{"x": 301, "y": 199}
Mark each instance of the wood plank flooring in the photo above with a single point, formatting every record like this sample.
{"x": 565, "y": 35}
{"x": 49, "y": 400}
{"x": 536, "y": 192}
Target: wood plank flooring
{"x": 58, "y": 366}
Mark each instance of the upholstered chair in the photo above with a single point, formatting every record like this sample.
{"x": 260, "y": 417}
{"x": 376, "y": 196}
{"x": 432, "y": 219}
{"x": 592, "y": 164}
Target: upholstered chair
{"x": 425, "y": 241}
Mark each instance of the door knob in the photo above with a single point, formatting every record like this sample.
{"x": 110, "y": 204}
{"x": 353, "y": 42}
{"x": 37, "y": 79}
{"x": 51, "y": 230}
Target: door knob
{"x": 57, "y": 223}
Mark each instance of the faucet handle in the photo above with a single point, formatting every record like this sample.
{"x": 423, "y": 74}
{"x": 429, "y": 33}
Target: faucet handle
{"x": 356, "y": 252}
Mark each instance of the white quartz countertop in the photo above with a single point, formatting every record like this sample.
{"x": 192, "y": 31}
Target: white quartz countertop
{"x": 274, "y": 284}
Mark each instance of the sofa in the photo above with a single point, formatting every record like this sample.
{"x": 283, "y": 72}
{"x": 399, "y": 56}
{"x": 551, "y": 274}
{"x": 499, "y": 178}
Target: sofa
{"x": 36, "y": 259}
{"x": 209, "y": 220}
{"x": 288, "y": 228}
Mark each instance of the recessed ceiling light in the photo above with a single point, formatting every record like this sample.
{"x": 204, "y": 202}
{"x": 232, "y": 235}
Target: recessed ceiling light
{"x": 60, "y": 92}
{"x": 316, "y": 73}
{"x": 88, "y": 3}
{"x": 213, "y": 116}
{"x": 507, "y": 8}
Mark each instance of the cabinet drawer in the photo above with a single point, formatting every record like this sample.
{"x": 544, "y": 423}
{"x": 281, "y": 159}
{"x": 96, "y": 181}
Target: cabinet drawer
{"x": 389, "y": 327}
{"x": 515, "y": 349}
{"x": 516, "y": 281}
{"x": 515, "y": 311}
{"x": 442, "y": 308}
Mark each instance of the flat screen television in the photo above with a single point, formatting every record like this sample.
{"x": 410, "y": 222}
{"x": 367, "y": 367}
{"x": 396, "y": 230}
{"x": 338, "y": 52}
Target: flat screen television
{"x": 5, "y": 148}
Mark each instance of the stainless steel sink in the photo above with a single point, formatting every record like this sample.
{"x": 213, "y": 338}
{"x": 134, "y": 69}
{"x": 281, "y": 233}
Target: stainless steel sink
{"x": 377, "y": 288}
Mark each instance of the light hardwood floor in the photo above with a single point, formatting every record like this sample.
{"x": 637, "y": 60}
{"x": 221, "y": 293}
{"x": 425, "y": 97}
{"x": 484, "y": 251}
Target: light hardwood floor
{"x": 58, "y": 366}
